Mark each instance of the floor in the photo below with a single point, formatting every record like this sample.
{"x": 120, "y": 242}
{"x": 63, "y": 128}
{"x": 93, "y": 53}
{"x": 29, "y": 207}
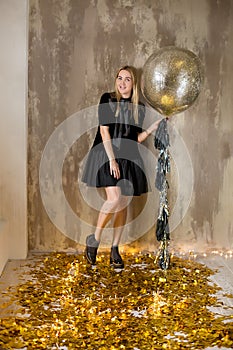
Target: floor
{"x": 224, "y": 278}
{"x": 17, "y": 271}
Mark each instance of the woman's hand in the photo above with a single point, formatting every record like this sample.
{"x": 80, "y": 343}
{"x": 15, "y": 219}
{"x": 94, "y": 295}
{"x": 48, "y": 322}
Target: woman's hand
{"x": 114, "y": 169}
{"x": 154, "y": 126}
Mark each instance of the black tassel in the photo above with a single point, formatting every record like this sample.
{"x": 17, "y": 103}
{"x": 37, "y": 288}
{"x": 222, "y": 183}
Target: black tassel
{"x": 162, "y": 169}
{"x": 161, "y": 141}
{"x": 162, "y": 227}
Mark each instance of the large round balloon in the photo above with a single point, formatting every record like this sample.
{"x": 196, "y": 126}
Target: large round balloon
{"x": 171, "y": 80}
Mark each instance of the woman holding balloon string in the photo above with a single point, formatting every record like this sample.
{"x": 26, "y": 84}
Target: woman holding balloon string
{"x": 114, "y": 162}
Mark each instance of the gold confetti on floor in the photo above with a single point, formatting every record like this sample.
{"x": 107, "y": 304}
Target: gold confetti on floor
{"x": 66, "y": 305}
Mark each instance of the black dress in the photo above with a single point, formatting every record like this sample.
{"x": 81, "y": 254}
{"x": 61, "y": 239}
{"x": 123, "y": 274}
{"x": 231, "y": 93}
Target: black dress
{"x": 124, "y": 133}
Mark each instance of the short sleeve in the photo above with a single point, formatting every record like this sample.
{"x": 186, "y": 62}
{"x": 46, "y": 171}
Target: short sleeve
{"x": 105, "y": 113}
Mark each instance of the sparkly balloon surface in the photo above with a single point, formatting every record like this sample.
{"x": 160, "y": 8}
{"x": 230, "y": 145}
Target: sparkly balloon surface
{"x": 171, "y": 80}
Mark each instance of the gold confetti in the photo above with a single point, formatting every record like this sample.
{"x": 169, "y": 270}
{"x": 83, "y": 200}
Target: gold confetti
{"x": 68, "y": 305}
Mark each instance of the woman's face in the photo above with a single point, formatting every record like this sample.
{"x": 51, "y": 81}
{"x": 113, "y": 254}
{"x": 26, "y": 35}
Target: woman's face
{"x": 124, "y": 83}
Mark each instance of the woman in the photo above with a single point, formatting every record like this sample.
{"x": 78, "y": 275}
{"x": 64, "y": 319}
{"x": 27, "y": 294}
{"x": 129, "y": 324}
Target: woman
{"x": 114, "y": 161}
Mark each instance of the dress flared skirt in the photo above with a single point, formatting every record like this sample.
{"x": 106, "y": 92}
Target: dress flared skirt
{"x": 133, "y": 181}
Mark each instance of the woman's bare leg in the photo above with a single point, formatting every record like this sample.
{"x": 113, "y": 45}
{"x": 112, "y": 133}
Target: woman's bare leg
{"x": 119, "y": 220}
{"x": 108, "y": 209}
{"x": 114, "y": 207}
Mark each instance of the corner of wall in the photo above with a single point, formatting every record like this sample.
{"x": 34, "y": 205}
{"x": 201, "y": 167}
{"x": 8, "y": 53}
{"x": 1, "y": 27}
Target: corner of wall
{"x": 3, "y": 245}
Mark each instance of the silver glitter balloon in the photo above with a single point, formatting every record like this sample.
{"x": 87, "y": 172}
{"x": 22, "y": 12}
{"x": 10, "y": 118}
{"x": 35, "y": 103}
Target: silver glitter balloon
{"x": 171, "y": 80}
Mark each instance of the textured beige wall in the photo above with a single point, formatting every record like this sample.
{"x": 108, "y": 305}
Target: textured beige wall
{"x": 13, "y": 129}
{"x": 75, "y": 49}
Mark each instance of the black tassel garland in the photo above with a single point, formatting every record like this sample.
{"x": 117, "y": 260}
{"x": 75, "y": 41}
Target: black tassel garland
{"x": 161, "y": 142}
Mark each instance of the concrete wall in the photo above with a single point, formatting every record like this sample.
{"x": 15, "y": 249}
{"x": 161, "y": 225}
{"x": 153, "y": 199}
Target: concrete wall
{"x": 75, "y": 49}
{"x": 13, "y": 129}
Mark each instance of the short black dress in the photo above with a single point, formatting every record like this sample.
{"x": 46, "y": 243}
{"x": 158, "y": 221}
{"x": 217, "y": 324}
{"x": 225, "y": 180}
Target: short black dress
{"x": 124, "y": 132}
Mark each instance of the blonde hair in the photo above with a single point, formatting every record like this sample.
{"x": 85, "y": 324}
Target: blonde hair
{"x": 135, "y": 91}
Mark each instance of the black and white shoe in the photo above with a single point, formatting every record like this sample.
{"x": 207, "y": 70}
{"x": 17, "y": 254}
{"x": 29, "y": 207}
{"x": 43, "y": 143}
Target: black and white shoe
{"x": 115, "y": 258}
{"x": 91, "y": 249}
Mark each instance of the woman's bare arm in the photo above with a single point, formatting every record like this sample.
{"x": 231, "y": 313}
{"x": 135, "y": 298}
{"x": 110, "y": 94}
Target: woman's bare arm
{"x": 114, "y": 168}
{"x": 144, "y": 134}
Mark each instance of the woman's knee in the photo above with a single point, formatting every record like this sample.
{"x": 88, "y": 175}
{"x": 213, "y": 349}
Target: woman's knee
{"x": 114, "y": 199}
{"x": 110, "y": 206}
{"x": 121, "y": 202}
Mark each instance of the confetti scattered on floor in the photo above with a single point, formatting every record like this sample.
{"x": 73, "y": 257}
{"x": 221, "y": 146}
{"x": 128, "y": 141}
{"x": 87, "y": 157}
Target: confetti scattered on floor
{"x": 66, "y": 304}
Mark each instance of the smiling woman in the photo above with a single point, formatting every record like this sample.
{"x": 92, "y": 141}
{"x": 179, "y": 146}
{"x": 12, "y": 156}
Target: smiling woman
{"x": 114, "y": 161}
